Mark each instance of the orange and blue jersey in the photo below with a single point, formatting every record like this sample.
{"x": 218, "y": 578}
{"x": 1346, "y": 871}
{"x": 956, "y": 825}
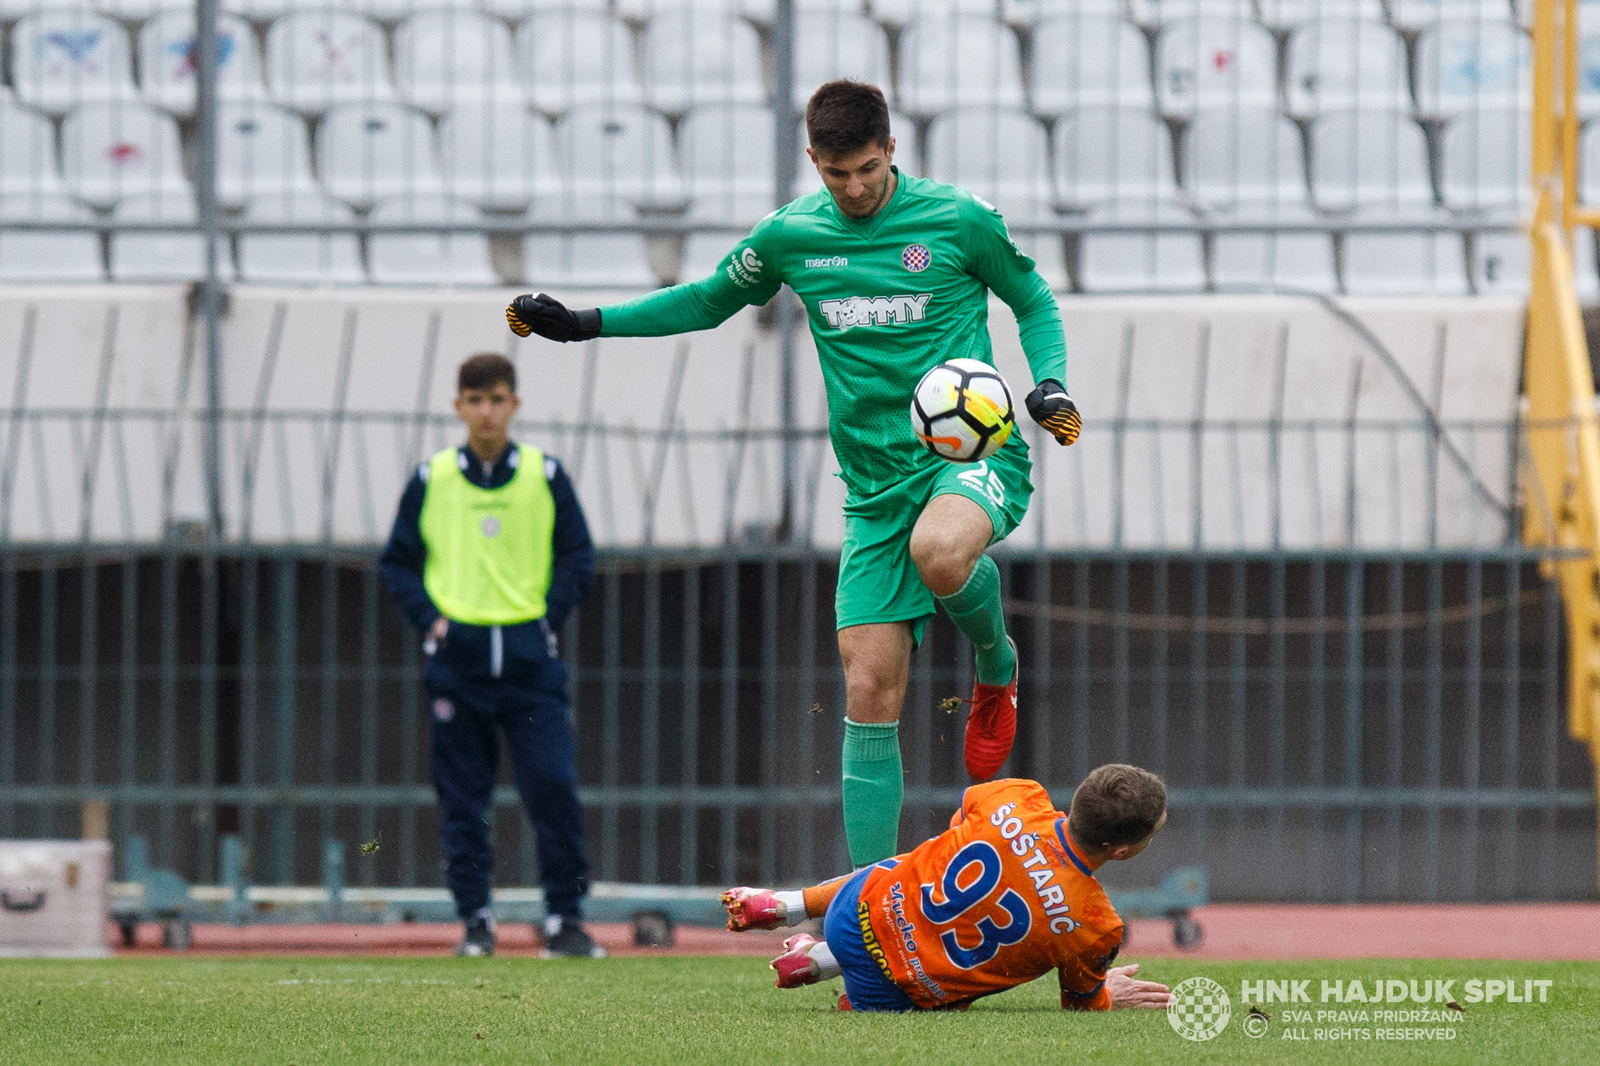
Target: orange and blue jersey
{"x": 1001, "y": 898}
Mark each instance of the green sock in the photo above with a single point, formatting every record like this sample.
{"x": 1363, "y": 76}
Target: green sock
{"x": 976, "y": 610}
{"x": 873, "y": 788}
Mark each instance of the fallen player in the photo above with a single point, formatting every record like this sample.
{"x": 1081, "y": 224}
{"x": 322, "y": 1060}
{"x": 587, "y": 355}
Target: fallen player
{"x": 1005, "y": 895}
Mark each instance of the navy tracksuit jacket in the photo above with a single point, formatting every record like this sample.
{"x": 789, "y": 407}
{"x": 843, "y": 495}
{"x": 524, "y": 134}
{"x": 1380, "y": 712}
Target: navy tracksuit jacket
{"x": 481, "y": 678}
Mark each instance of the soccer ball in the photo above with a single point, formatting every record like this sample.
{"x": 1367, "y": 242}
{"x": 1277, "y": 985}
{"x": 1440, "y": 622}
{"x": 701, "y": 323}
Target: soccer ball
{"x": 961, "y": 411}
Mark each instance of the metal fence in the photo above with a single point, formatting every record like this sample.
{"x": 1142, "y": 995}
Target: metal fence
{"x": 1334, "y": 726}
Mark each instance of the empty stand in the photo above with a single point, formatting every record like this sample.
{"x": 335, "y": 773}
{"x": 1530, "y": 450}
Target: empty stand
{"x": 694, "y": 59}
{"x": 1346, "y": 63}
{"x": 958, "y": 60}
{"x": 1114, "y": 157}
{"x": 623, "y": 153}
{"x": 1369, "y": 161}
{"x": 1089, "y": 60}
{"x": 40, "y": 255}
{"x": 1500, "y": 263}
{"x": 154, "y": 256}
{"x": 1422, "y": 14}
{"x": 448, "y": 57}
{"x": 27, "y": 152}
{"x": 261, "y": 150}
{"x": 911, "y": 12}
{"x": 168, "y": 64}
{"x": 517, "y": 10}
{"x": 1284, "y": 15}
{"x": 1155, "y": 14}
{"x": 366, "y": 152}
{"x": 299, "y": 258}
{"x": 835, "y": 42}
{"x": 1467, "y": 64}
{"x": 1211, "y": 61}
{"x": 1238, "y": 157}
{"x": 1002, "y": 156}
{"x": 577, "y": 59}
{"x": 586, "y": 259}
{"x": 109, "y": 151}
{"x": 1485, "y": 161}
{"x": 1389, "y": 264}
{"x": 1029, "y": 13}
{"x": 323, "y": 58}
{"x": 443, "y": 258}
{"x": 497, "y": 154}
{"x": 63, "y": 58}
{"x": 727, "y": 161}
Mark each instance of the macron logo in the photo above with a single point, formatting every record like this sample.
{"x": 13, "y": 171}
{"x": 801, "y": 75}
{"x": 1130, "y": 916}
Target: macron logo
{"x": 829, "y": 261}
{"x": 855, "y": 311}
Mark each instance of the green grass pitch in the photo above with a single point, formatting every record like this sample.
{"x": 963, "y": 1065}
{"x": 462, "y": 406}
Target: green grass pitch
{"x": 638, "y": 1011}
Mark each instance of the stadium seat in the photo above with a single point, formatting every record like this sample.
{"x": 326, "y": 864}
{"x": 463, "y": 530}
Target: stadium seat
{"x": 517, "y": 10}
{"x": 1244, "y": 158}
{"x": 1026, "y": 14}
{"x": 497, "y": 154}
{"x": 691, "y": 60}
{"x": 323, "y": 58}
{"x": 642, "y": 12}
{"x": 1465, "y": 64}
{"x": 1500, "y": 264}
{"x": 1485, "y": 161}
{"x": 911, "y": 12}
{"x": 1588, "y": 70}
{"x": 958, "y": 61}
{"x": 833, "y": 42}
{"x": 261, "y": 149}
{"x": 1113, "y": 158}
{"x": 367, "y": 152}
{"x": 1002, "y": 156}
{"x": 1390, "y": 264}
{"x": 264, "y": 10}
{"x": 396, "y": 11}
{"x": 623, "y": 153}
{"x": 299, "y": 258}
{"x": 727, "y": 161}
{"x": 1089, "y": 61}
{"x": 27, "y": 152}
{"x": 1335, "y": 64}
{"x": 607, "y": 260}
{"x": 63, "y": 58}
{"x": 1286, "y": 15}
{"x": 41, "y": 255}
{"x": 167, "y": 61}
{"x": 428, "y": 258}
{"x": 1209, "y": 61}
{"x": 1275, "y": 259}
{"x": 1154, "y": 14}
{"x": 572, "y": 60}
{"x": 156, "y": 257}
{"x": 1413, "y": 15}
{"x": 448, "y": 57}
{"x": 1141, "y": 262}
{"x": 1369, "y": 160}
{"x": 109, "y": 151}
{"x": 1589, "y": 166}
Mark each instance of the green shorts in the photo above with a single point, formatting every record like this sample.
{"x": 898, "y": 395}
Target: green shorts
{"x": 877, "y": 580}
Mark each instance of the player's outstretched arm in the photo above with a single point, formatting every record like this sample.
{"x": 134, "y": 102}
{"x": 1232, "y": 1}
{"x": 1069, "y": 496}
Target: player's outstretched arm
{"x": 1128, "y": 993}
{"x": 551, "y": 319}
{"x": 1051, "y": 407}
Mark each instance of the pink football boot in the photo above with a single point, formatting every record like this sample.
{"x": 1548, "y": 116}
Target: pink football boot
{"x": 795, "y": 966}
{"x": 752, "y": 908}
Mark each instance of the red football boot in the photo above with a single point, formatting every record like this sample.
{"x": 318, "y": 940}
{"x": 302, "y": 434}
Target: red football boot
{"x": 991, "y": 726}
{"x": 752, "y": 908}
{"x": 795, "y": 967}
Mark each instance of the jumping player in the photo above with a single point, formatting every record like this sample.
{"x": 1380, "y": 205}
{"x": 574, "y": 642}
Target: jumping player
{"x": 1006, "y": 895}
{"x": 894, "y": 272}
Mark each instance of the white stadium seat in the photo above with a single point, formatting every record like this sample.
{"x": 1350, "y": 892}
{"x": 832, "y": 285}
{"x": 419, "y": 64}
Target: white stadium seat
{"x": 623, "y": 153}
{"x": 154, "y": 257}
{"x": 167, "y": 61}
{"x": 517, "y": 10}
{"x": 320, "y": 59}
{"x": 299, "y": 258}
{"x": 261, "y": 149}
{"x": 1141, "y": 262}
{"x": 1275, "y": 259}
{"x": 1390, "y": 264}
{"x": 27, "y": 152}
{"x": 1343, "y": 64}
{"x": 571, "y": 60}
{"x": 1369, "y": 160}
{"x": 448, "y": 57}
{"x": 691, "y": 60}
{"x": 1500, "y": 264}
{"x": 1114, "y": 157}
{"x": 1239, "y": 157}
{"x": 910, "y": 12}
{"x": 1589, "y": 165}
{"x": 63, "y": 58}
{"x": 394, "y": 11}
{"x": 1421, "y": 14}
{"x": 1030, "y": 13}
{"x": 1210, "y": 61}
{"x": 832, "y": 42}
{"x": 429, "y": 258}
{"x": 1089, "y": 61}
{"x": 1154, "y": 14}
{"x": 1589, "y": 69}
{"x": 1484, "y": 160}
{"x": 497, "y": 154}
{"x": 1283, "y": 15}
{"x": 368, "y": 152}
{"x": 958, "y": 61}
{"x": 1002, "y": 156}
{"x": 727, "y": 161}
{"x": 610, "y": 260}
{"x": 109, "y": 151}
{"x": 37, "y": 256}
{"x": 1465, "y": 64}
{"x": 645, "y": 11}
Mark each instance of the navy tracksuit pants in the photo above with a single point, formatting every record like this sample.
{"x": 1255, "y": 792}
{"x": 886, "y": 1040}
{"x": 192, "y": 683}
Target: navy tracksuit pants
{"x": 485, "y": 684}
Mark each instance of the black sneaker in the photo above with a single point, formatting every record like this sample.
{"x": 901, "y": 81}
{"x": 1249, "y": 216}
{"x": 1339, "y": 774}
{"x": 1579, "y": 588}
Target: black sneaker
{"x": 571, "y": 941}
{"x": 479, "y": 941}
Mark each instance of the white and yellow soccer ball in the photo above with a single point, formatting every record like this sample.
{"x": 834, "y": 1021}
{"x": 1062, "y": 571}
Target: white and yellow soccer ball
{"x": 961, "y": 411}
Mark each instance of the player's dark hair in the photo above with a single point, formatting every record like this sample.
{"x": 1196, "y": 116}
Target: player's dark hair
{"x": 1116, "y": 804}
{"x": 845, "y": 116}
{"x": 486, "y": 370}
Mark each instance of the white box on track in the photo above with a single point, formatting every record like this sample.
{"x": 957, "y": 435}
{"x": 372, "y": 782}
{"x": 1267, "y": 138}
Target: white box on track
{"x": 53, "y": 900}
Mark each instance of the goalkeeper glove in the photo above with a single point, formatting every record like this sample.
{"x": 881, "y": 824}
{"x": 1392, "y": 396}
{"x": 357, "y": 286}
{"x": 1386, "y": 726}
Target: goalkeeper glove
{"x": 550, "y": 319}
{"x": 1051, "y": 407}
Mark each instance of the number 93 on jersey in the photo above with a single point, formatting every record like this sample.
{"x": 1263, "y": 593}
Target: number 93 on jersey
{"x": 961, "y": 411}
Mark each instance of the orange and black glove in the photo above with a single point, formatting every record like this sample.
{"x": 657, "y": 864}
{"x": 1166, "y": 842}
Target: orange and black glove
{"x": 550, "y": 319}
{"x": 1051, "y": 407}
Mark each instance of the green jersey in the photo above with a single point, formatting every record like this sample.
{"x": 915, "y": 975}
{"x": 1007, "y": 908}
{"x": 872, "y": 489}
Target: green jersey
{"x": 888, "y": 297}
